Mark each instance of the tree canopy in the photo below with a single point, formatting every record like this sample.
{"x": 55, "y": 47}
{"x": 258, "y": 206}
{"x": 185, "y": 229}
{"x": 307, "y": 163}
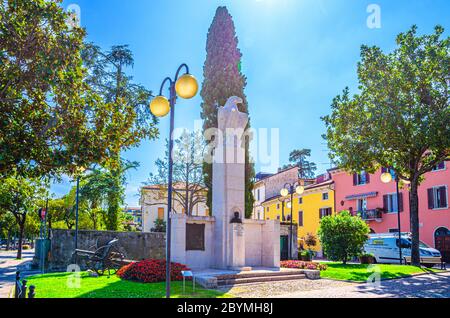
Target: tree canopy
{"x": 400, "y": 118}
{"x": 223, "y": 78}
{"x": 298, "y": 158}
{"x": 189, "y": 187}
{"x": 343, "y": 236}
{"x": 52, "y": 118}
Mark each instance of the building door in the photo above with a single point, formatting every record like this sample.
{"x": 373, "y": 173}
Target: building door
{"x": 284, "y": 247}
{"x": 442, "y": 242}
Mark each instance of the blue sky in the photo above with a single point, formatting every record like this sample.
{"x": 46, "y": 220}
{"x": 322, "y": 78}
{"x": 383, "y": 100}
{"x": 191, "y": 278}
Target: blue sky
{"x": 297, "y": 55}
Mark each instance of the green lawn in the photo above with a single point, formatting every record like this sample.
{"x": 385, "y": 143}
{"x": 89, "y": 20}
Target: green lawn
{"x": 56, "y": 286}
{"x": 360, "y": 273}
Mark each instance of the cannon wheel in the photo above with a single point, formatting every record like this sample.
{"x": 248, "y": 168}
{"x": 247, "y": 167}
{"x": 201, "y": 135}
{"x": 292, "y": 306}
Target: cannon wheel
{"x": 109, "y": 266}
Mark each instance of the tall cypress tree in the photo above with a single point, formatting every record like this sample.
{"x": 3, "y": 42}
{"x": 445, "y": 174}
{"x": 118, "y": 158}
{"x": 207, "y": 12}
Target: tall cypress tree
{"x": 222, "y": 79}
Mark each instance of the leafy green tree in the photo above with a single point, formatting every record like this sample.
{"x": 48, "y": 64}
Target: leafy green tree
{"x": 401, "y": 116}
{"x": 298, "y": 158}
{"x": 159, "y": 226}
{"x": 19, "y": 196}
{"x": 343, "y": 236}
{"x": 189, "y": 187}
{"x": 108, "y": 77}
{"x": 102, "y": 188}
{"x": 8, "y": 227}
{"x": 51, "y": 121}
{"x": 223, "y": 79}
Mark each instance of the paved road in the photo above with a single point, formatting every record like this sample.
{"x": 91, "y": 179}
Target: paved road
{"x": 424, "y": 286}
{"x": 8, "y": 267}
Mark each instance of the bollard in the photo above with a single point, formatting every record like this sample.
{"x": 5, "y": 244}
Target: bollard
{"x": 17, "y": 286}
{"x": 31, "y": 293}
{"x": 23, "y": 293}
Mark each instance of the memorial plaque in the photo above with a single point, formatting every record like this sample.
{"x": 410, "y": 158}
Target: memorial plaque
{"x": 195, "y": 237}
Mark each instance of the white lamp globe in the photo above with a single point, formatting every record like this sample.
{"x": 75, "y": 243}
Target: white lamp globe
{"x": 386, "y": 177}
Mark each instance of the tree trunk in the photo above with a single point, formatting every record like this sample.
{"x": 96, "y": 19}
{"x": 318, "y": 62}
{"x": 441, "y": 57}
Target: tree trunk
{"x": 8, "y": 240}
{"x": 21, "y": 230}
{"x": 414, "y": 219}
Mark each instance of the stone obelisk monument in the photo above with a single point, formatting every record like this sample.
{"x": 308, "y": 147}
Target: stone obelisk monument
{"x": 229, "y": 186}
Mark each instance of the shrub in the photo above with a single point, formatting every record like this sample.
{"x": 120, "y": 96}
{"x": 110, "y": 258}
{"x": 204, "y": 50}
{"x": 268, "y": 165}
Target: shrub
{"x": 26, "y": 247}
{"x": 306, "y": 255}
{"x": 159, "y": 226}
{"x": 343, "y": 236}
{"x": 151, "y": 271}
{"x": 303, "y": 265}
{"x": 367, "y": 259}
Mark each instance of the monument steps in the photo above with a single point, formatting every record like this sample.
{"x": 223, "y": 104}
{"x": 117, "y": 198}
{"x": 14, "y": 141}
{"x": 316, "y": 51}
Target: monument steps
{"x": 262, "y": 279}
{"x": 249, "y": 278}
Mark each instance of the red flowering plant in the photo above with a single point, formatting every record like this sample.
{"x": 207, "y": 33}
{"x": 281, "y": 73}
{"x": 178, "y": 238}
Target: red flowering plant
{"x": 151, "y": 271}
{"x": 303, "y": 265}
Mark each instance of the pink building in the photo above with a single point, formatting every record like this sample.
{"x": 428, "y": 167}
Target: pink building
{"x": 376, "y": 202}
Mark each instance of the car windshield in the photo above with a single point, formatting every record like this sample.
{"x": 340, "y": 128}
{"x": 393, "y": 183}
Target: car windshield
{"x": 408, "y": 243}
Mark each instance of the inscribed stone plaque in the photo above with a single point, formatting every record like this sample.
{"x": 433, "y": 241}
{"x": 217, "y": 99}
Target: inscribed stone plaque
{"x": 195, "y": 237}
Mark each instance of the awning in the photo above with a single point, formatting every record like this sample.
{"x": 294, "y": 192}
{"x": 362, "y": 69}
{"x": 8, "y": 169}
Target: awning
{"x": 361, "y": 196}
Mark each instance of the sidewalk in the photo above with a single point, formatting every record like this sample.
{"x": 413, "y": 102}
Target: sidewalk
{"x": 423, "y": 286}
{"x": 8, "y": 267}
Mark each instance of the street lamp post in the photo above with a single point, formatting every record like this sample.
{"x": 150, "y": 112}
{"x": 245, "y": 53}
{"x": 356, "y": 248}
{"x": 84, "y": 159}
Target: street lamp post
{"x": 186, "y": 87}
{"x": 386, "y": 178}
{"x": 80, "y": 170}
{"x": 287, "y": 190}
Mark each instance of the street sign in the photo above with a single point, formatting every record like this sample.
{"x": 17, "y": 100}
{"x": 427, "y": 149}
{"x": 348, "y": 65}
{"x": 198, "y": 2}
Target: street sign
{"x": 42, "y": 212}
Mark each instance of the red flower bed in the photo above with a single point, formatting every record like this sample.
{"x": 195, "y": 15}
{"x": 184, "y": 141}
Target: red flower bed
{"x": 303, "y": 265}
{"x": 151, "y": 271}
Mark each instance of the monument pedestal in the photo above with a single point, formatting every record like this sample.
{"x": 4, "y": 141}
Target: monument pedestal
{"x": 230, "y": 241}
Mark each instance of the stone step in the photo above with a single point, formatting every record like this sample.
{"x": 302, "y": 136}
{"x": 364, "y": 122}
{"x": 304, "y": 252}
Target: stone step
{"x": 259, "y": 279}
{"x": 260, "y": 274}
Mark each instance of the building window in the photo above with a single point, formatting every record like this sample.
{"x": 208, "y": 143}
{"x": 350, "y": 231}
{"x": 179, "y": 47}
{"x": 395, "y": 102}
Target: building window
{"x": 325, "y": 196}
{"x": 300, "y": 218}
{"x": 362, "y": 205}
{"x": 440, "y": 166}
{"x": 300, "y": 200}
{"x": 278, "y": 206}
{"x": 361, "y": 178}
{"x": 437, "y": 198}
{"x": 390, "y": 203}
{"x": 268, "y": 209}
{"x": 161, "y": 213}
{"x": 393, "y": 230}
{"x": 325, "y": 212}
{"x": 258, "y": 195}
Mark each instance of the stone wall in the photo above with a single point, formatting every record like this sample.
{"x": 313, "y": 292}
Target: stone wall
{"x": 134, "y": 245}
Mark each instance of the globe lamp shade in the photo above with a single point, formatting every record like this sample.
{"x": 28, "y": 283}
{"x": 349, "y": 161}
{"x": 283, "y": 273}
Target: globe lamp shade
{"x": 186, "y": 86}
{"x": 300, "y": 190}
{"x": 284, "y": 192}
{"x": 160, "y": 106}
{"x": 386, "y": 177}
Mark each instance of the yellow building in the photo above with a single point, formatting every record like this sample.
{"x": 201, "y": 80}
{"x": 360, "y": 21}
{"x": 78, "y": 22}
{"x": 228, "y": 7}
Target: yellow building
{"x": 316, "y": 202}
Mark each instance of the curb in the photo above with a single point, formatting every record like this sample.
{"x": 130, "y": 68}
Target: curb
{"x": 383, "y": 279}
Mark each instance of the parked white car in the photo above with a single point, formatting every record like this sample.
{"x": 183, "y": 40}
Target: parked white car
{"x": 385, "y": 248}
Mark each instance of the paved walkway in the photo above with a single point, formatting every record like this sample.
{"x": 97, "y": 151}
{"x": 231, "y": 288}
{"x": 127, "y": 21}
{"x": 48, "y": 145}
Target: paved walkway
{"x": 8, "y": 267}
{"x": 423, "y": 286}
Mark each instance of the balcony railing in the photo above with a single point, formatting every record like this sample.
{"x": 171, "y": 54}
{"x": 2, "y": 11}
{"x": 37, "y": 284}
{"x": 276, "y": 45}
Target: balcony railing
{"x": 371, "y": 215}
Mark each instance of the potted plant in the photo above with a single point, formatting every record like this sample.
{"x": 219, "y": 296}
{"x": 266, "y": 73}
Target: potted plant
{"x": 367, "y": 259}
{"x": 310, "y": 242}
